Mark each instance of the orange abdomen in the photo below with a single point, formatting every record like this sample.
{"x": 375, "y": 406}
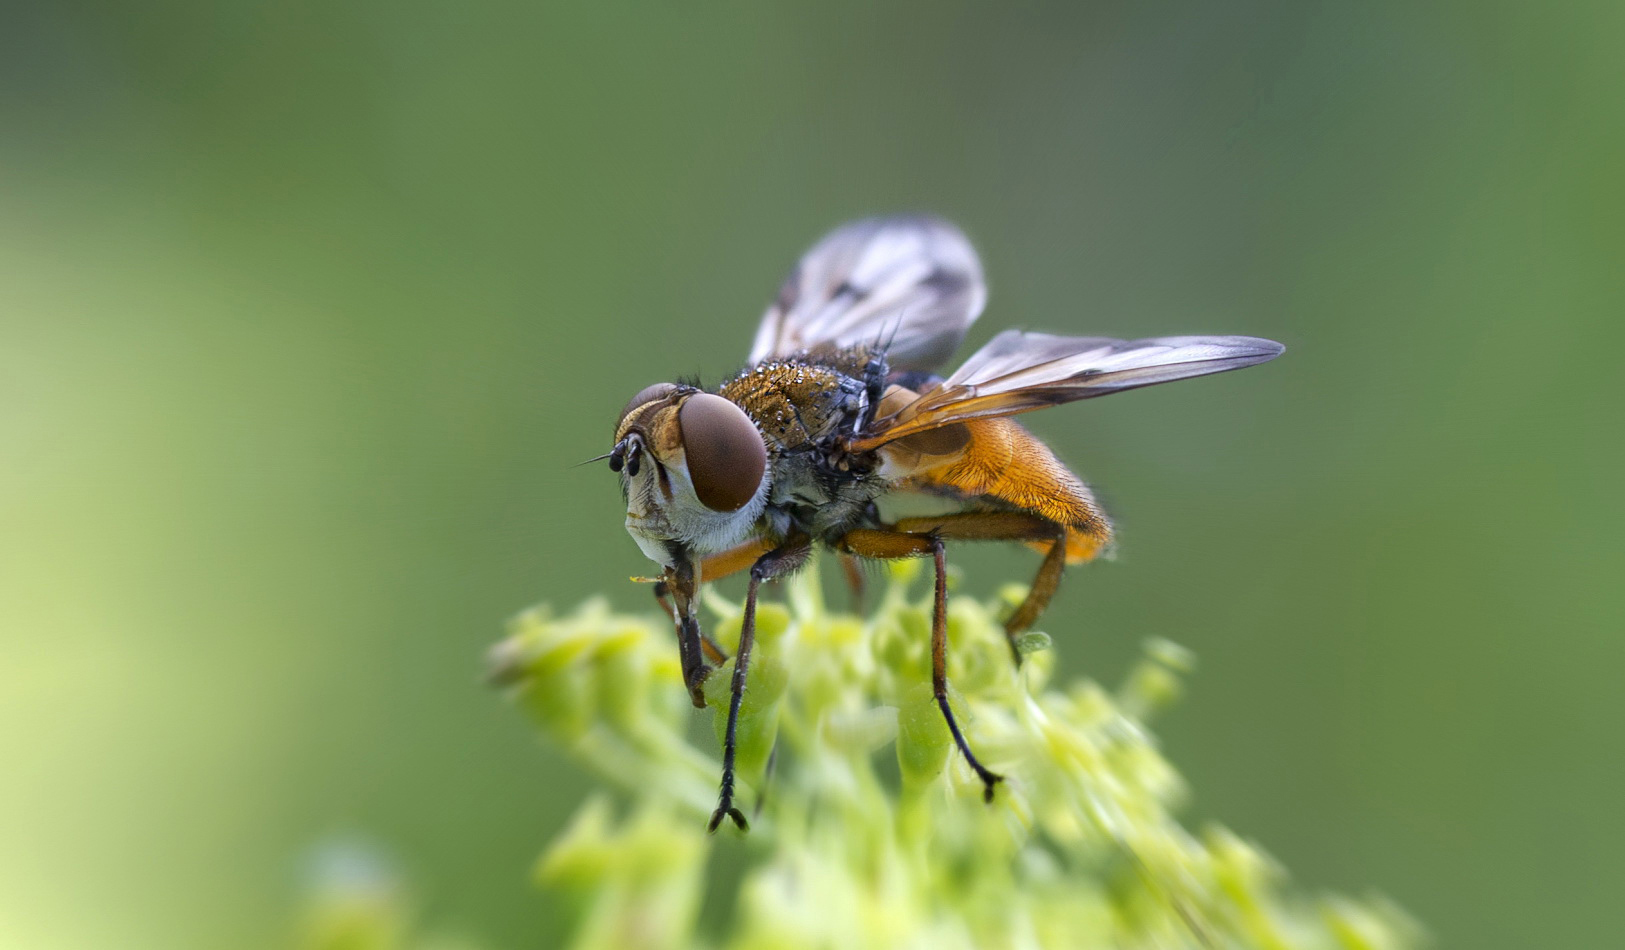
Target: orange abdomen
{"x": 998, "y": 459}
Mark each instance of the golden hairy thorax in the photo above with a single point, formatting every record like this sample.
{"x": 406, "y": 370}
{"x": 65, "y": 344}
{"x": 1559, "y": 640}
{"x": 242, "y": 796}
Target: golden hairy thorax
{"x": 795, "y": 404}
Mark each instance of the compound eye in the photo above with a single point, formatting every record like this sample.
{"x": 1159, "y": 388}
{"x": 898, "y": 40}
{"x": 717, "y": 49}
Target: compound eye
{"x": 726, "y": 455}
{"x": 648, "y": 394}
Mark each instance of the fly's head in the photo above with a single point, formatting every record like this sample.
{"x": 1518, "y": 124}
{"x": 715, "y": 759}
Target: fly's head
{"x": 694, "y": 468}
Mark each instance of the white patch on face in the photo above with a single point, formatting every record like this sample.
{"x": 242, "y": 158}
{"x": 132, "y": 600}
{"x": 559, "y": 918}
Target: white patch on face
{"x": 652, "y": 549}
{"x": 653, "y": 520}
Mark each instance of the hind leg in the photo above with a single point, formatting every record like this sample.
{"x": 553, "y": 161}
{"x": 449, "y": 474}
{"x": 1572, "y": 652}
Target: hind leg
{"x": 1007, "y": 526}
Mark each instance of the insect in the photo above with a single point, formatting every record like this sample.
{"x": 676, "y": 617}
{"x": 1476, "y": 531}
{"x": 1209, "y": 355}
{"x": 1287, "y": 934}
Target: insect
{"x": 838, "y": 407}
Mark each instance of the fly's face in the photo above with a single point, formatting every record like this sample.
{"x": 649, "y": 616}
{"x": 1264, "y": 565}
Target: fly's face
{"x": 694, "y": 469}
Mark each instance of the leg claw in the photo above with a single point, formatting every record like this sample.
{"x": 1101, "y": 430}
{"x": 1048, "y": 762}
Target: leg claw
{"x": 726, "y": 810}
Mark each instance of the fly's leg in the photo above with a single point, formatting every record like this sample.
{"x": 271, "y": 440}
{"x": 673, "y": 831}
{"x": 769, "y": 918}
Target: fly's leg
{"x": 713, "y": 652}
{"x": 1007, "y": 526}
{"x": 714, "y": 567}
{"x": 684, "y": 590}
{"x": 877, "y": 543}
{"x": 1039, "y": 594}
{"x": 939, "y": 671}
{"x": 778, "y": 561}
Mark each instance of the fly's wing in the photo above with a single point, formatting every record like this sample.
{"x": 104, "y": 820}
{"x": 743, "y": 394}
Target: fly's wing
{"x": 1019, "y": 372}
{"x": 910, "y": 284}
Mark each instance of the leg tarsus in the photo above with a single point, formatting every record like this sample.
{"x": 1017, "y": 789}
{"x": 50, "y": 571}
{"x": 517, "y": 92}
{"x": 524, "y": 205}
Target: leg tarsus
{"x": 727, "y": 811}
{"x": 736, "y": 696}
{"x": 989, "y": 777}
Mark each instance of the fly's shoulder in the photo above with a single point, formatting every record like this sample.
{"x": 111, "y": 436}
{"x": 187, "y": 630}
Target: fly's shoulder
{"x": 798, "y": 403}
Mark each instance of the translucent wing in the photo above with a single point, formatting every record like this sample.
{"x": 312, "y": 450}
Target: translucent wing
{"x": 1019, "y": 372}
{"x": 912, "y": 282}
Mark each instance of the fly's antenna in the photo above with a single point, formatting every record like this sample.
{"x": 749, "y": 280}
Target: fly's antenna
{"x": 596, "y": 458}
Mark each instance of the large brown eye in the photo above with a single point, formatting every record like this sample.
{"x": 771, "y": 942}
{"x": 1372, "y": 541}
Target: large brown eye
{"x": 726, "y": 455}
{"x": 647, "y": 395}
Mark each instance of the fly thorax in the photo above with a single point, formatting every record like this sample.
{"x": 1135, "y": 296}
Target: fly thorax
{"x": 797, "y": 405}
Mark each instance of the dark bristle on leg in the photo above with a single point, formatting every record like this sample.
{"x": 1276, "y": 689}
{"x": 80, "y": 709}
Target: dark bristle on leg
{"x": 939, "y": 671}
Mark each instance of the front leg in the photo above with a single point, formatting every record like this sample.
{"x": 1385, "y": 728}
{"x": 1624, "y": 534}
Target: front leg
{"x": 682, "y": 582}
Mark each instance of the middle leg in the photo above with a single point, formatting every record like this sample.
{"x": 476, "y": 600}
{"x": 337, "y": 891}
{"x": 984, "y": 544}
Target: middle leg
{"x": 781, "y": 560}
{"x": 1007, "y": 526}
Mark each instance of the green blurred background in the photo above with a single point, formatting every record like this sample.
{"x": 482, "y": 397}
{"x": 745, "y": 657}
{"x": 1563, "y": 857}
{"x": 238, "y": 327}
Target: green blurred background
{"x": 308, "y": 309}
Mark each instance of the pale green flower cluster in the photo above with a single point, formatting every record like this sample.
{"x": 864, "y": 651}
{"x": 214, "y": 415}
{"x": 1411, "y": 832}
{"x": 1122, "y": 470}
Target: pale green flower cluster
{"x": 869, "y": 830}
